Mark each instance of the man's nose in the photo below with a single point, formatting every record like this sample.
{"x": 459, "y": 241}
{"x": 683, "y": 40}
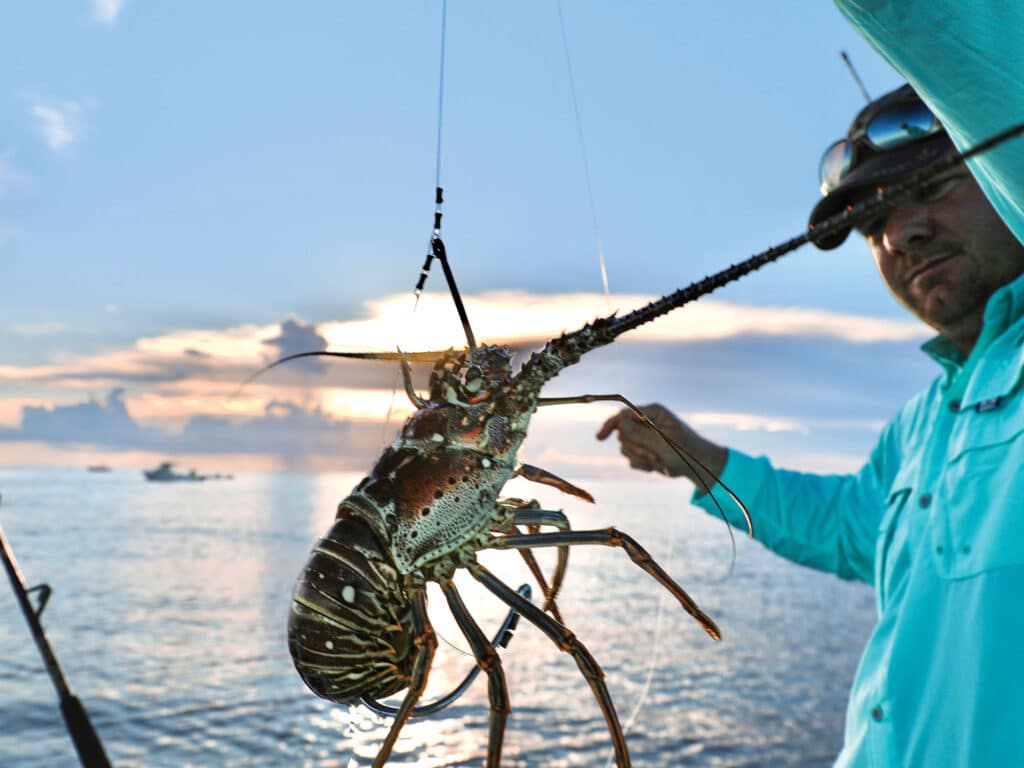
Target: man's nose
{"x": 907, "y": 226}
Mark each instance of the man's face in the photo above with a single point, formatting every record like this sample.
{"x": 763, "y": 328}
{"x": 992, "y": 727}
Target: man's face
{"x": 944, "y": 252}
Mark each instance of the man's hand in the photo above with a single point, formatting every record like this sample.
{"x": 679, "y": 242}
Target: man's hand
{"x": 648, "y": 451}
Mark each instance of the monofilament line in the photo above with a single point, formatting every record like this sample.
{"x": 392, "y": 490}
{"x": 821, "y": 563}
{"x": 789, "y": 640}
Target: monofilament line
{"x": 583, "y": 153}
{"x": 652, "y": 660}
{"x": 438, "y": 198}
{"x": 440, "y": 93}
{"x": 438, "y": 191}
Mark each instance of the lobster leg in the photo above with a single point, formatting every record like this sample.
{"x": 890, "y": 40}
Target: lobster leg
{"x": 538, "y": 475}
{"x": 487, "y": 659}
{"x": 532, "y": 516}
{"x": 549, "y": 592}
{"x": 567, "y": 642}
{"x": 612, "y": 537}
{"x": 426, "y": 642}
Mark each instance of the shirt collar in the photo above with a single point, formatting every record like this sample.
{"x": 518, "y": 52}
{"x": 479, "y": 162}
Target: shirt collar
{"x": 1005, "y": 309}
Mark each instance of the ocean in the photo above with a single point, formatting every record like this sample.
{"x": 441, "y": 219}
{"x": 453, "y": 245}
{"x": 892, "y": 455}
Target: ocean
{"x": 170, "y": 604}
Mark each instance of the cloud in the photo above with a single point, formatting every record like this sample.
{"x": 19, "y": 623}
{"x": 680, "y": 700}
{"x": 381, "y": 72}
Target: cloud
{"x": 784, "y": 378}
{"x": 228, "y": 356}
{"x": 283, "y": 429}
{"x": 515, "y": 316}
{"x": 711, "y": 319}
{"x": 210, "y": 362}
{"x": 295, "y": 338}
{"x": 37, "y": 329}
{"x": 89, "y": 422}
{"x": 59, "y": 124}
{"x": 107, "y": 11}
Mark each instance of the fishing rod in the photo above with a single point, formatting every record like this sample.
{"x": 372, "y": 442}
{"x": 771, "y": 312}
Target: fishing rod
{"x": 83, "y": 735}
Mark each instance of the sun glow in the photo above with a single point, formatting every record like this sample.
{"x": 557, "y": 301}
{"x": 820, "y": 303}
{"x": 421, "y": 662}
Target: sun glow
{"x": 511, "y": 316}
{"x": 366, "y": 404}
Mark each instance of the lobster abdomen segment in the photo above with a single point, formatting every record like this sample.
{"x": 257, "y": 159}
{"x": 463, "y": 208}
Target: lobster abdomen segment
{"x": 348, "y": 630}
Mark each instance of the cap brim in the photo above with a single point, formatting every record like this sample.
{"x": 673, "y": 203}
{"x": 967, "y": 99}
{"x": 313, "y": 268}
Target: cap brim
{"x": 878, "y": 170}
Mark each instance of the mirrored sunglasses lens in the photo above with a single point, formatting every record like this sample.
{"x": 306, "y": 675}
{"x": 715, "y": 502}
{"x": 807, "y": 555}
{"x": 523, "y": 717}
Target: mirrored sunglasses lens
{"x": 901, "y": 124}
{"x": 835, "y": 164}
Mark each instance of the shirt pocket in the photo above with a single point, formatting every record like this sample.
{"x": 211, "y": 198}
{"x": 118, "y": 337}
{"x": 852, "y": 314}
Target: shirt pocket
{"x": 983, "y": 495}
{"x": 891, "y": 539}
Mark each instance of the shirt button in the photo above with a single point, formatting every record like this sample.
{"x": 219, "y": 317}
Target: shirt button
{"x": 954, "y": 406}
{"x": 925, "y": 500}
{"x": 876, "y": 713}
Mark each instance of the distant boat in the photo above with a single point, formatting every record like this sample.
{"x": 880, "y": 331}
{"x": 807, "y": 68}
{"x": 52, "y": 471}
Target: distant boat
{"x": 164, "y": 473}
{"x": 98, "y": 468}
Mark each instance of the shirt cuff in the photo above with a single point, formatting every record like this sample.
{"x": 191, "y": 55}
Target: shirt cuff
{"x": 744, "y": 476}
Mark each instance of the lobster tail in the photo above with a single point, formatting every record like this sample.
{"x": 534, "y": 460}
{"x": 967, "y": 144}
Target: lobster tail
{"x": 348, "y": 631}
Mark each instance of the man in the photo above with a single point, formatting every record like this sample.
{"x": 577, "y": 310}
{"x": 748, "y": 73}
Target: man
{"x": 935, "y": 519}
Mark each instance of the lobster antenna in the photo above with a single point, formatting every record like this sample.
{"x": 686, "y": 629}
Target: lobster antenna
{"x": 856, "y": 77}
{"x": 842, "y": 221}
{"x": 416, "y": 357}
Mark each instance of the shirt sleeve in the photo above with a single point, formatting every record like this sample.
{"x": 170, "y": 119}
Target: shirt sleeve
{"x": 966, "y": 60}
{"x": 827, "y": 522}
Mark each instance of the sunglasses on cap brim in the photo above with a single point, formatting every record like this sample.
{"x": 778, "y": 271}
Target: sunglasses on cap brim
{"x": 894, "y": 126}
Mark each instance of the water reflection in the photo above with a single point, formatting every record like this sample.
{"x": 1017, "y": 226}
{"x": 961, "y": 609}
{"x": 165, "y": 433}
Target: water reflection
{"x": 170, "y": 608}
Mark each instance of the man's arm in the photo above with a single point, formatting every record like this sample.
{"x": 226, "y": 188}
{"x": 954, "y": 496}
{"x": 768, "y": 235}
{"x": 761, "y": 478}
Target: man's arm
{"x": 828, "y": 522}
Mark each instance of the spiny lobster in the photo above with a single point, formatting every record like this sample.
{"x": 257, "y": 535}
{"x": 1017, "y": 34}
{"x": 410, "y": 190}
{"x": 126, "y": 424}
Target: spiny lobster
{"x": 358, "y": 627}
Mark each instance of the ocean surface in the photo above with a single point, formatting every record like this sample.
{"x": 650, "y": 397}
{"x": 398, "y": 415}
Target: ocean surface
{"x": 170, "y": 604}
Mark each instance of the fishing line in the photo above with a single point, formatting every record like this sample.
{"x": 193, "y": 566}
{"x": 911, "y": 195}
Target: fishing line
{"x": 440, "y": 94}
{"x": 438, "y": 190}
{"x": 652, "y": 659}
{"x": 583, "y": 154}
{"x": 438, "y": 201}
{"x": 656, "y": 638}
{"x": 435, "y": 233}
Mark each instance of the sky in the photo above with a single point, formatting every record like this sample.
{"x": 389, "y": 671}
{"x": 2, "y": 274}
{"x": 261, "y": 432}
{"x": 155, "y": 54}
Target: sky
{"x": 190, "y": 190}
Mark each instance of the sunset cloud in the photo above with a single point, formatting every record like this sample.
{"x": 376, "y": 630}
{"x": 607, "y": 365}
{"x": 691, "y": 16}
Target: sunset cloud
{"x": 514, "y": 316}
{"x": 229, "y": 355}
{"x": 785, "y": 375}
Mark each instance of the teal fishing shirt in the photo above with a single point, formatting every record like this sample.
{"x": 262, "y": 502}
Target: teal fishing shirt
{"x": 935, "y": 519}
{"x": 935, "y": 522}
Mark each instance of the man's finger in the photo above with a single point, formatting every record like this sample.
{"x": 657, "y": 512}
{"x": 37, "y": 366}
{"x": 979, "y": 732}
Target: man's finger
{"x": 615, "y": 422}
